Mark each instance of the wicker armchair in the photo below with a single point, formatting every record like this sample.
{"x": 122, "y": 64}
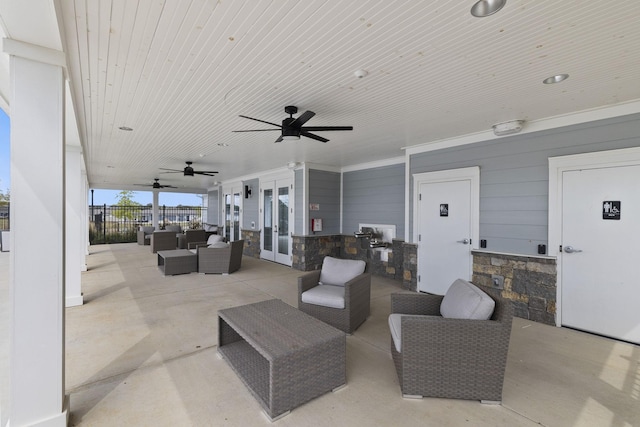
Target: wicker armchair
{"x": 357, "y": 300}
{"x": 223, "y": 260}
{"x": 144, "y": 235}
{"x": 163, "y": 241}
{"x": 450, "y": 358}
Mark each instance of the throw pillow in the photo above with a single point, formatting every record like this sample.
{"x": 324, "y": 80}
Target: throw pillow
{"x": 464, "y": 300}
{"x": 338, "y": 271}
{"x": 215, "y": 238}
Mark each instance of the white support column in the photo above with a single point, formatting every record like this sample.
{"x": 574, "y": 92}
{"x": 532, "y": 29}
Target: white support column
{"x": 85, "y": 219}
{"x": 156, "y": 209}
{"x": 37, "y": 259}
{"x": 74, "y": 231}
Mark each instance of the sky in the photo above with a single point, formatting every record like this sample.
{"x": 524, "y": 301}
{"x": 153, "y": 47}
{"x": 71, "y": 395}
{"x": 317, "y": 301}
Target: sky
{"x": 100, "y": 197}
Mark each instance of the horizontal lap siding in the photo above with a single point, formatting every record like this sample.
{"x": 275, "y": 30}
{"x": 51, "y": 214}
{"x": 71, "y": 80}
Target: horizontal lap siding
{"x": 514, "y": 173}
{"x": 374, "y": 196}
{"x": 324, "y": 190}
{"x": 298, "y": 200}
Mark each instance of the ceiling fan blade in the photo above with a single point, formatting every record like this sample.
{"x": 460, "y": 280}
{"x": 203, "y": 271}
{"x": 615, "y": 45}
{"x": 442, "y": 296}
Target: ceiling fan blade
{"x": 302, "y": 119}
{"x": 171, "y": 170}
{"x": 261, "y": 121}
{"x": 279, "y": 139}
{"x": 207, "y": 173}
{"x": 254, "y": 130}
{"x": 167, "y": 186}
{"x": 324, "y": 128}
{"x": 312, "y": 136}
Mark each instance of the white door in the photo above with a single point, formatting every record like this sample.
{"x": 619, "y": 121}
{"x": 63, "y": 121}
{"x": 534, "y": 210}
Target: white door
{"x": 232, "y": 200}
{"x": 277, "y": 208}
{"x": 445, "y": 231}
{"x": 600, "y": 290}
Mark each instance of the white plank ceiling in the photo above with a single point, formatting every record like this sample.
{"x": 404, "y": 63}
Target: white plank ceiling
{"x": 179, "y": 73}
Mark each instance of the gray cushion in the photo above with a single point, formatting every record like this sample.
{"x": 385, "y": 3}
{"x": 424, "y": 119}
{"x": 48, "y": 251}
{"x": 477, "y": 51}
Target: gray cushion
{"x": 464, "y": 300}
{"x": 325, "y": 295}
{"x": 176, "y": 228}
{"x": 147, "y": 229}
{"x": 214, "y": 238}
{"x": 338, "y": 271}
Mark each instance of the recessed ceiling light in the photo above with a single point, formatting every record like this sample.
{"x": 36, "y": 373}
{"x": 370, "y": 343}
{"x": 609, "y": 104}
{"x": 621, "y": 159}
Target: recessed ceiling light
{"x": 222, "y": 144}
{"x": 360, "y": 73}
{"x": 555, "y": 79}
{"x": 127, "y": 128}
{"x": 484, "y": 8}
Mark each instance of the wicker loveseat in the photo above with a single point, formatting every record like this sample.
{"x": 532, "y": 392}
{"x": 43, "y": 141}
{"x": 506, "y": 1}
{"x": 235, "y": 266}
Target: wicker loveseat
{"x": 342, "y": 301}
{"x": 449, "y": 357}
{"x": 162, "y": 240}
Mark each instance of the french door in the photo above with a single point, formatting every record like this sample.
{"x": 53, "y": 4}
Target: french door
{"x": 232, "y": 200}
{"x": 276, "y": 207}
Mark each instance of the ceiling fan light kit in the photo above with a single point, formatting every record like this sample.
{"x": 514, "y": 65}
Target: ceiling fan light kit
{"x": 508, "y": 128}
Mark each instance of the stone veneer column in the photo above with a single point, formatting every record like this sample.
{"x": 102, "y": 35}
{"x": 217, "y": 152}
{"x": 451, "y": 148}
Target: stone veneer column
{"x": 251, "y": 243}
{"x": 529, "y": 282}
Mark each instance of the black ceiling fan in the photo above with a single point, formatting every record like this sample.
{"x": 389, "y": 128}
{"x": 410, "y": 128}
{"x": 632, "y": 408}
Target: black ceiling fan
{"x": 189, "y": 171}
{"x": 293, "y": 128}
{"x": 156, "y": 184}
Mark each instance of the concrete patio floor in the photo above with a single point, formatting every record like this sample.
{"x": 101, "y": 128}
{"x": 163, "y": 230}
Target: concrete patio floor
{"x": 141, "y": 351}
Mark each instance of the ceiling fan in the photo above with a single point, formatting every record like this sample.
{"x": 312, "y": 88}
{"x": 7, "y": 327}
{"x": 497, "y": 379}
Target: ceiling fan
{"x": 156, "y": 184}
{"x": 293, "y": 128}
{"x": 189, "y": 171}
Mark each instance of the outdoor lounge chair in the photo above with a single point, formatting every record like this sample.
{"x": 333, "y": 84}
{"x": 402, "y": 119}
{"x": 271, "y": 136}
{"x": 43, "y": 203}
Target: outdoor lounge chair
{"x": 456, "y": 355}
{"x": 144, "y": 235}
{"x": 339, "y": 293}
{"x": 223, "y": 259}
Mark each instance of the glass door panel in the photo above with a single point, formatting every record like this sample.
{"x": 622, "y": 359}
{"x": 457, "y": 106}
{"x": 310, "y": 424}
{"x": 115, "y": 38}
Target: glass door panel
{"x": 283, "y": 220}
{"x": 267, "y": 219}
{"x": 236, "y": 216}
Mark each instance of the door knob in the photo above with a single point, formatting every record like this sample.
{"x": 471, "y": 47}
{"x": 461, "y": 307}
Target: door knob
{"x": 464, "y": 241}
{"x": 571, "y": 250}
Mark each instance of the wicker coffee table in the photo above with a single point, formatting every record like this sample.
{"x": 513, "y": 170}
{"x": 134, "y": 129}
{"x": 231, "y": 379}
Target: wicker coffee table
{"x": 178, "y": 261}
{"x": 284, "y": 356}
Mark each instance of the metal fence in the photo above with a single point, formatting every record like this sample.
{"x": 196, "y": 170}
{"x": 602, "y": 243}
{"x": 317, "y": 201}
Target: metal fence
{"x": 119, "y": 224}
{"x": 5, "y": 216}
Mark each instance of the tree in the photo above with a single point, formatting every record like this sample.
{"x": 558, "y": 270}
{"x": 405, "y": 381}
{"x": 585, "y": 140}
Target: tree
{"x": 124, "y": 203}
{"x": 5, "y": 198}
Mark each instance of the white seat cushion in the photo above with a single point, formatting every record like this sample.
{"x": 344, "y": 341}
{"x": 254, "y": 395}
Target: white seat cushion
{"x": 464, "y": 300}
{"x": 325, "y": 295}
{"x": 218, "y": 245}
{"x": 214, "y": 238}
{"x": 338, "y": 271}
{"x": 395, "y": 326}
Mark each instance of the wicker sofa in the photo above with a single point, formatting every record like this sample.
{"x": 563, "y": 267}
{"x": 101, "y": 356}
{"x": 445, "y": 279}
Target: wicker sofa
{"x": 356, "y": 297}
{"x": 220, "y": 260}
{"x": 450, "y": 357}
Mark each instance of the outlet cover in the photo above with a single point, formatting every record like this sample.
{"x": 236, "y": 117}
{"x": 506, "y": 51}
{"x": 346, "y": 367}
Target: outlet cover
{"x": 497, "y": 281}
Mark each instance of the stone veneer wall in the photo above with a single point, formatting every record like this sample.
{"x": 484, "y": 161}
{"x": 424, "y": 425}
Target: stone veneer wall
{"x": 309, "y": 251}
{"x": 529, "y": 282}
{"x": 251, "y": 243}
{"x": 401, "y": 265}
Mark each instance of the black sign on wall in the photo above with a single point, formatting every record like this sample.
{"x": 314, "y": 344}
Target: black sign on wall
{"x": 611, "y": 209}
{"x": 444, "y": 209}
